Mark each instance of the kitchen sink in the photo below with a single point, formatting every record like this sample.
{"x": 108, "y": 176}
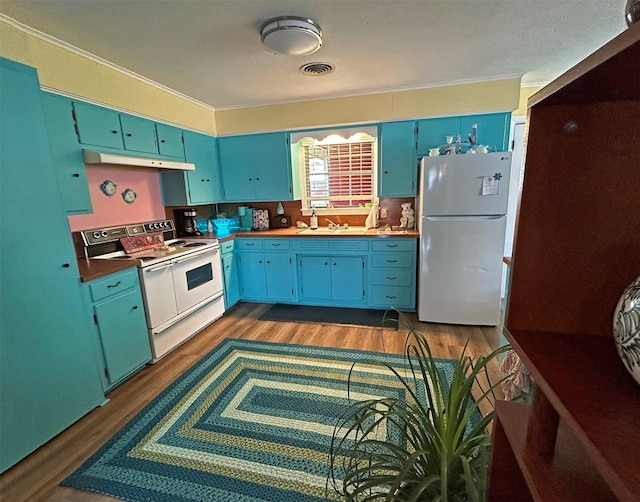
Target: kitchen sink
{"x": 334, "y": 231}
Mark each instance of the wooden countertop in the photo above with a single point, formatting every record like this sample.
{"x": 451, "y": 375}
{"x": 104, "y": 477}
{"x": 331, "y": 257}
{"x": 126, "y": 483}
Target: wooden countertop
{"x": 91, "y": 269}
{"x": 94, "y": 269}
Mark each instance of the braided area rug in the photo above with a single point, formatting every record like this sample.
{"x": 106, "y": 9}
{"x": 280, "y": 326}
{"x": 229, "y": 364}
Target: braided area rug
{"x": 251, "y": 421}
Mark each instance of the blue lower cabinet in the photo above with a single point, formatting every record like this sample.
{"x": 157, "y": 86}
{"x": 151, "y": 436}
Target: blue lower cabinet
{"x": 266, "y": 275}
{"x": 338, "y": 280}
{"x": 118, "y": 314}
{"x": 393, "y": 274}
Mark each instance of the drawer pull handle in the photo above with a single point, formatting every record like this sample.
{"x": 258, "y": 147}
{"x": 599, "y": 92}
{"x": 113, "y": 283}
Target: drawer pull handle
{"x": 391, "y": 297}
{"x": 391, "y": 278}
{"x": 392, "y": 245}
{"x": 392, "y": 261}
{"x": 275, "y": 245}
{"x": 250, "y": 244}
{"x": 114, "y": 285}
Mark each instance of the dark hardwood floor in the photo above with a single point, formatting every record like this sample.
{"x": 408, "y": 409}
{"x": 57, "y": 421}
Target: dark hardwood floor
{"x": 36, "y": 477}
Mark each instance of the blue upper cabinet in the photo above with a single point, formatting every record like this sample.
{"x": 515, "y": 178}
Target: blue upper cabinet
{"x": 201, "y": 186}
{"x": 139, "y": 134}
{"x": 493, "y": 130}
{"x": 98, "y": 126}
{"x": 256, "y": 167}
{"x": 66, "y": 154}
{"x": 397, "y": 166}
{"x": 170, "y": 142}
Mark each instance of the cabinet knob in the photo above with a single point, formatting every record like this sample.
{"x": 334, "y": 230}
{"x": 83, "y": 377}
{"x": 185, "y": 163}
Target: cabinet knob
{"x": 114, "y": 132}
{"x": 129, "y": 134}
{"x": 162, "y": 141}
{"x": 268, "y": 262}
{"x": 334, "y": 264}
{"x": 202, "y": 180}
{"x": 76, "y": 175}
{"x": 66, "y": 265}
{"x": 386, "y": 172}
{"x": 135, "y": 307}
{"x": 259, "y": 261}
{"x": 257, "y": 179}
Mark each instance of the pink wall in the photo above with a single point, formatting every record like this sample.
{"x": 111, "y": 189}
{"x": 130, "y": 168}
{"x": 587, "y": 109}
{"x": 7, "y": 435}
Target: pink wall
{"x": 114, "y": 211}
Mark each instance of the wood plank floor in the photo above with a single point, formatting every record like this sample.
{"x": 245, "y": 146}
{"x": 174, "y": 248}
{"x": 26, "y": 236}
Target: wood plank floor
{"x": 36, "y": 477}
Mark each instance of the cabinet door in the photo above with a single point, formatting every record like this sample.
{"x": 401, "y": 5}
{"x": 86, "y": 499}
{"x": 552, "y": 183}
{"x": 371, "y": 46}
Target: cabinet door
{"x": 252, "y": 273}
{"x": 231, "y": 280}
{"x": 433, "y": 132}
{"x": 48, "y": 373}
{"x": 278, "y": 275}
{"x": 170, "y": 141}
{"x": 123, "y": 334}
{"x": 139, "y": 134}
{"x": 98, "y": 126}
{"x": 347, "y": 278}
{"x": 398, "y": 163}
{"x": 203, "y": 183}
{"x": 493, "y": 129}
{"x": 66, "y": 154}
{"x": 256, "y": 167}
{"x": 315, "y": 277}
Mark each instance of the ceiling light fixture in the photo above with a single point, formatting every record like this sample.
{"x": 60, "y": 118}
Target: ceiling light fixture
{"x": 293, "y": 36}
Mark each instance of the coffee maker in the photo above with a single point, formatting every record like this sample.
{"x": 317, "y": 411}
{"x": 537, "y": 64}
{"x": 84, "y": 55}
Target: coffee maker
{"x": 186, "y": 224}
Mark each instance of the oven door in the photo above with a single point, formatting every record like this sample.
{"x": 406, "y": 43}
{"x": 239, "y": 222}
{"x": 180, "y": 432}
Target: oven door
{"x": 196, "y": 278}
{"x": 157, "y": 287}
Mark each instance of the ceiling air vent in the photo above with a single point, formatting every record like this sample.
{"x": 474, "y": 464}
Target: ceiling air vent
{"x": 317, "y": 69}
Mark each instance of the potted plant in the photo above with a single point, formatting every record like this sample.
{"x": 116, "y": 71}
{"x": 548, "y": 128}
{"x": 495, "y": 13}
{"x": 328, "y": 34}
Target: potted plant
{"x": 435, "y": 444}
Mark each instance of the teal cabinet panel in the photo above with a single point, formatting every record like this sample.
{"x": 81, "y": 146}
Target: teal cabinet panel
{"x": 170, "y": 142}
{"x": 231, "y": 280}
{"x": 252, "y": 275}
{"x": 347, "y": 279}
{"x": 138, "y": 134}
{"x": 314, "y": 274}
{"x": 66, "y": 154}
{"x": 397, "y": 167}
{"x": 256, "y": 167}
{"x": 278, "y": 276}
{"x": 98, "y": 126}
{"x": 202, "y": 186}
{"x": 493, "y": 130}
{"x": 48, "y": 373}
{"x": 433, "y": 132}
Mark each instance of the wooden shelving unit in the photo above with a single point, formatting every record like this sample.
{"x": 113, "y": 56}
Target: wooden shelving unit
{"x": 577, "y": 247}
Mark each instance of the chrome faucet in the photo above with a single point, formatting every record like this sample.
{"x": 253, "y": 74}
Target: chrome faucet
{"x": 332, "y": 224}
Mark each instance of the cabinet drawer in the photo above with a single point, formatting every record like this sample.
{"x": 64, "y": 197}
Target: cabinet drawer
{"x": 113, "y": 284}
{"x": 393, "y": 245}
{"x": 276, "y": 244}
{"x": 226, "y": 247}
{"x": 393, "y": 277}
{"x": 332, "y": 244}
{"x": 392, "y": 297}
{"x": 249, "y": 244}
{"x": 392, "y": 260}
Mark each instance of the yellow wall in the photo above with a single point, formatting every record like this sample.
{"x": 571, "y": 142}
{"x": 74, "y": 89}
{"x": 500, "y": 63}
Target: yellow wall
{"x": 501, "y": 95}
{"x": 65, "y": 71}
{"x": 525, "y": 94}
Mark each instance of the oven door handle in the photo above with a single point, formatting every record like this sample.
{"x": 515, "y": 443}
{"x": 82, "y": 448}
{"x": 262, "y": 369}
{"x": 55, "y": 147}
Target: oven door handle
{"x": 195, "y": 255}
{"x": 160, "y": 266}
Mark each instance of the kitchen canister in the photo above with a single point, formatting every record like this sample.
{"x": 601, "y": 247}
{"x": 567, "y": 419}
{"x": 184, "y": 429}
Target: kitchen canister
{"x": 626, "y": 328}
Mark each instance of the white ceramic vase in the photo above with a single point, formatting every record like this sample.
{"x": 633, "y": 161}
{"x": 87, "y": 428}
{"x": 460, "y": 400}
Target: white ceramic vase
{"x": 626, "y": 328}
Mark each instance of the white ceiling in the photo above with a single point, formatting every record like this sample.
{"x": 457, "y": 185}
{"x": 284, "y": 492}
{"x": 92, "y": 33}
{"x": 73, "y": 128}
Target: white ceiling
{"x": 210, "y": 50}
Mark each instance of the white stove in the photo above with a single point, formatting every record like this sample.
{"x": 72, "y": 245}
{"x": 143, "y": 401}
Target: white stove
{"x": 181, "y": 280}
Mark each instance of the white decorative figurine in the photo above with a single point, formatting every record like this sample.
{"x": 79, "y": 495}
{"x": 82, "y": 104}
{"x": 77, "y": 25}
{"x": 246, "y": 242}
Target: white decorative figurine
{"x": 407, "y": 219}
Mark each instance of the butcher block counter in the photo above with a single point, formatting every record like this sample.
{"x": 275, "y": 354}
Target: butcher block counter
{"x": 91, "y": 269}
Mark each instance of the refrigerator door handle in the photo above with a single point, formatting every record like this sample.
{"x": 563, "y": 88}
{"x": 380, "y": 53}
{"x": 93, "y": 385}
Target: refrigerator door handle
{"x": 466, "y": 218}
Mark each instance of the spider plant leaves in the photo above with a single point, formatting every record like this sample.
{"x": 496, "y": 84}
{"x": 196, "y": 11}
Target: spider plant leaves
{"x": 431, "y": 444}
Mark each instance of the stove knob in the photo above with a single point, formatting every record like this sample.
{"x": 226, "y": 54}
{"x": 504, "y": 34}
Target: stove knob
{"x": 165, "y": 224}
{"x": 96, "y": 235}
{"x": 156, "y": 225}
{"x": 105, "y": 233}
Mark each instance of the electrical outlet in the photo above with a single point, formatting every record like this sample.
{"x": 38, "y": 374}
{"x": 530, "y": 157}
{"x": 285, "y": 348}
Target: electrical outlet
{"x": 383, "y": 212}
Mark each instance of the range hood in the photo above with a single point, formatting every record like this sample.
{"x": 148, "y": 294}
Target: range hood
{"x": 94, "y": 157}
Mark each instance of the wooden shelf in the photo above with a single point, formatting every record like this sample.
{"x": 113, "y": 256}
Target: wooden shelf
{"x": 565, "y": 476}
{"x": 596, "y": 398}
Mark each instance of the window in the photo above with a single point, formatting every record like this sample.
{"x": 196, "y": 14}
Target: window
{"x": 338, "y": 174}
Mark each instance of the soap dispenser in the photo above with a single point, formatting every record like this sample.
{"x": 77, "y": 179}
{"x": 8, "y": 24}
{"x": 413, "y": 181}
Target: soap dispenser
{"x": 313, "y": 221}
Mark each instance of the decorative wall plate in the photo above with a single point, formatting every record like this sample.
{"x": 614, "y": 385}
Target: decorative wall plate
{"x": 626, "y": 328}
{"x": 129, "y": 196}
{"x": 108, "y": 188}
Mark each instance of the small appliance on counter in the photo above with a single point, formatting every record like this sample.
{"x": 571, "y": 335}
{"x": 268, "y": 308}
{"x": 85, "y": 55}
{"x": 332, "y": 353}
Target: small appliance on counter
{"x": 246, "y": 217}
{"x": 186, "y": 223}
{"x": 281, "y": 221}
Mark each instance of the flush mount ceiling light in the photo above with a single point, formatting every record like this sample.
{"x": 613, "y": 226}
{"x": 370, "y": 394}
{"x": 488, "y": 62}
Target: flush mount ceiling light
{"x": 293, "y": 36}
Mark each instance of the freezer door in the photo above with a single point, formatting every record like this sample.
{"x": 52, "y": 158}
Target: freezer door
{"x": 461, "y": 270}
{"x": 458, "y": 185}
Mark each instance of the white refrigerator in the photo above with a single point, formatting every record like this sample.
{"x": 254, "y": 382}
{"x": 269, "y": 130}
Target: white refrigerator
{"x": 462, "y": 205}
